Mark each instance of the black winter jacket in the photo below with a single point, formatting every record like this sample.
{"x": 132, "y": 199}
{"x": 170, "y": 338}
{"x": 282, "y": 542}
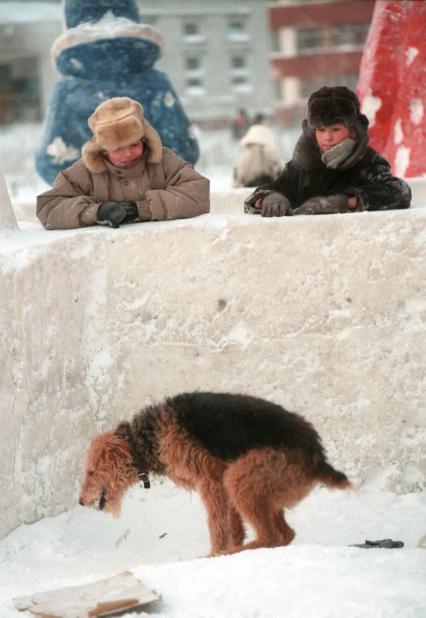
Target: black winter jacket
{"x": 368, "y": 178}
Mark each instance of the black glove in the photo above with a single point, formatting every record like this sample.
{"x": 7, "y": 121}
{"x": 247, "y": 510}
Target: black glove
{"x": 323, "y": 205}
{"x": 114, "y": 213}
{"x": 275, "y": 205}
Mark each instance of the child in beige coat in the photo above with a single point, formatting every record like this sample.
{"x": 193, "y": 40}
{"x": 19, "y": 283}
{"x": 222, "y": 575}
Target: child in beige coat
{"x": 125, "y": 175}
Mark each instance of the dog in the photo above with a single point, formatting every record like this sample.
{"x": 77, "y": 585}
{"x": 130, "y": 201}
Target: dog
{"x": 248, "y": 458}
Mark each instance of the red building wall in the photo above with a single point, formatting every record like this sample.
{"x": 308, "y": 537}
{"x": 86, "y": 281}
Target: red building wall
{"x": 332, "y": 63}
{"x": 305, "y": 15}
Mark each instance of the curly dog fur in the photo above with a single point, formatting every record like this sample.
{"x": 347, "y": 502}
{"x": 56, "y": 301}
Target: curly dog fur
{"x": 249, "y": 459}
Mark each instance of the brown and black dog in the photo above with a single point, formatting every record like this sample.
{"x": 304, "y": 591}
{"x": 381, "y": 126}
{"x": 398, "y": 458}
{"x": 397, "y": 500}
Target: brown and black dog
{"x": 248, "y": 458}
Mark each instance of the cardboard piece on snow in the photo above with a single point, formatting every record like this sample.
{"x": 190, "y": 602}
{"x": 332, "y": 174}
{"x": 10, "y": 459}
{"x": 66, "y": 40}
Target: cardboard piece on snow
{"x": 101, "y": 598}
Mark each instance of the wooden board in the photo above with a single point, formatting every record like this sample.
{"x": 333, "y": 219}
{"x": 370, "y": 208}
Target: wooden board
{"x": 101, "y": 598}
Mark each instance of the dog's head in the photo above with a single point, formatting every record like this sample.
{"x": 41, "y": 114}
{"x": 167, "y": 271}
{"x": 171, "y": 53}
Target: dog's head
{"x": 109, "y": 472}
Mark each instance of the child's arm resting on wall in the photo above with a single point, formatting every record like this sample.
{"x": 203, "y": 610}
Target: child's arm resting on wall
{"x": 381, "y": 190}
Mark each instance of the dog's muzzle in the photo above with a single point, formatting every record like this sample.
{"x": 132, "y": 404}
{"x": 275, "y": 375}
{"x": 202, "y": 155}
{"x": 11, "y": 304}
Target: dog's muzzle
{"x": 101, "y": 503}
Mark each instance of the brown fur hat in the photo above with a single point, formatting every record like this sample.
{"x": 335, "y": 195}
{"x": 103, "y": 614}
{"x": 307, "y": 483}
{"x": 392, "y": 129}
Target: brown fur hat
{"x": 116, "y": 123}
{"x": 337, "y": 105}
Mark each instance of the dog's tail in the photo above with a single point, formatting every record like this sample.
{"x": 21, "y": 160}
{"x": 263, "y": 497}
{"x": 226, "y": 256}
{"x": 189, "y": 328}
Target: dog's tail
{"x": 332, "y": 478}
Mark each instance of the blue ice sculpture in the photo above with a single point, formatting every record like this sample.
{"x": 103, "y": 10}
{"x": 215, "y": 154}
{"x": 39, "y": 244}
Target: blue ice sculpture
{"x": 107, "y": 52}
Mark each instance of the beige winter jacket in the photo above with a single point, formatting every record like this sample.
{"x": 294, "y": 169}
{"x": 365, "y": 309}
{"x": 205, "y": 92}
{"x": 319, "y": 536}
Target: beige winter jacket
{"x": 171, "y": 189}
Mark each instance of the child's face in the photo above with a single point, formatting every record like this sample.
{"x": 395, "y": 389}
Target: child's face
{"x": 328, "y": 137}
{"x": 126, "y": 156}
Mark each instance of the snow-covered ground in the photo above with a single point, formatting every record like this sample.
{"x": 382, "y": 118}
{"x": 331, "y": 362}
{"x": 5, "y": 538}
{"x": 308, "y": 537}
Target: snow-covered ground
{"x": 162, "y": 531}
{"x": 161, "y": 537}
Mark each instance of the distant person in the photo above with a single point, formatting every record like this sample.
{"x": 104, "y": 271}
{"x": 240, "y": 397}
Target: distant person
{"x": 259, "y": 161}
{"x": 240, "y": 124}
{"x": 125, "y": 175}
{"x": 333, "y": 169}
{"x": 259, "y": 118}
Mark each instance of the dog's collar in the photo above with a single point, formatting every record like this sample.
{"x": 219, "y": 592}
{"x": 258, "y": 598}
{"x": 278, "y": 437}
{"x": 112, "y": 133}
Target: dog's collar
{"x": 138, "y": 463}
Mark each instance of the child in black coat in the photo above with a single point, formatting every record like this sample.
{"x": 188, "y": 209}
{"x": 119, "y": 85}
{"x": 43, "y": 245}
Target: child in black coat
{"x": 333, "y": 169}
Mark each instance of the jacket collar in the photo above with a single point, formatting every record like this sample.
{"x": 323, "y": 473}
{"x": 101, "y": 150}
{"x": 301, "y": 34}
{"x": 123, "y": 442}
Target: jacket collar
{"x": 128, "y": 172}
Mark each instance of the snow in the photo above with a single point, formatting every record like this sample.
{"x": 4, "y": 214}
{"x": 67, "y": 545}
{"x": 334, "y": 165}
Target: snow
{"x": 162, "y": 536}
{"x": 370, "y": 106}
{"x": 402, "y": 161}
{"x": 319, "y": 575}
{"x": 61, "y": 152}
{"x": 411, "y": 53}
{"x": 416, "y": 111}
{"x": 106, "y": 28}
{"x": 398, "y": 133}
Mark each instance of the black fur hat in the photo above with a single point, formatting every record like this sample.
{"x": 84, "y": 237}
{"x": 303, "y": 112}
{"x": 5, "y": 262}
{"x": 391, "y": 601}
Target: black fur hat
{"x": 337, "y": 105}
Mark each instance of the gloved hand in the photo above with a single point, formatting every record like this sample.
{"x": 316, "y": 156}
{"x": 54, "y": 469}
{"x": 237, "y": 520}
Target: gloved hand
{"x": 114, "y": 213}
{"x": 323, "y": 205}
{"x": 275, "y": 205}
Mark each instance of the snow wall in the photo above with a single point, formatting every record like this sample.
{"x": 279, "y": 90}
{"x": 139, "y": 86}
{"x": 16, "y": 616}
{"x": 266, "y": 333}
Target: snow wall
{"x": 325, "y": 315}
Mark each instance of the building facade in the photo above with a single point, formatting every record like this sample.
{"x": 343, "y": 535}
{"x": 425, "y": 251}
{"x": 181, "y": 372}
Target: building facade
{"x": 27, "y": 75}
{"x": 216, "y": 55}
{"x": 315, "y": 43}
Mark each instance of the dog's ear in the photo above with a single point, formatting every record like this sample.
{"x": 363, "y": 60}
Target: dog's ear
{"x": 123, "y": 430}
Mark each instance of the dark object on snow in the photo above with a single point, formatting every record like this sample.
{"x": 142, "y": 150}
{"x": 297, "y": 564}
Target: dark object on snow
{"x": 383, "y": 544}
{"x": 106, "y": 52}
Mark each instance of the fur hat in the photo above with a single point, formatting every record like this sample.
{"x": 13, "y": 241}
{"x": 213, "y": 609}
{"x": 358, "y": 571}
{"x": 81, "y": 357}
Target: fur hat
{"x": 337, "y": 105}
{"x": 116, "y": 123}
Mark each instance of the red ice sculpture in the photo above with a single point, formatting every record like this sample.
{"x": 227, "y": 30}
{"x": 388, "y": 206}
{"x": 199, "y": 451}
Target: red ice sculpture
{"x": 392, "y": 84}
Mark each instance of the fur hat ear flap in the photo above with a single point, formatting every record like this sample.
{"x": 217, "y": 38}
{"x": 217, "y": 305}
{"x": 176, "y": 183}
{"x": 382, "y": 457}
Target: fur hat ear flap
{"x": 153, "y": 142}
{"x": 92, "y": 157}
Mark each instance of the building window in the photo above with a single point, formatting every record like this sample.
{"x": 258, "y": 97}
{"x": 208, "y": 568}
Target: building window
{"x": 195, "y": 86}
{"x": 19, "y": 91}
{"x": 239, "y": 71}
{"x": 192, "y": 31}
{"x": 349, "y": 34}
{"x": 194, "y": 82}
{"x": 192, "y": 63}
{"x": 238, "y": 62}
{"x": 237, "y": 29}
{"x": 194, "y": 75}
{"x": 309, "y": 39}
{"x": 309, "y": 85}
{"x": 239, "y": 80}
{"x": 190, "y": 28}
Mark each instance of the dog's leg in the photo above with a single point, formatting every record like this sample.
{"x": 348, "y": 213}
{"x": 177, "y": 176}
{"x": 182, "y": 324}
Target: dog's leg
{"x": 237, "y": 532}
{"x": 257, "y": 484}
{"x": 270, "y": 527}
{"x": 287, "y": 533}
{"x": 225, "y": 525}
